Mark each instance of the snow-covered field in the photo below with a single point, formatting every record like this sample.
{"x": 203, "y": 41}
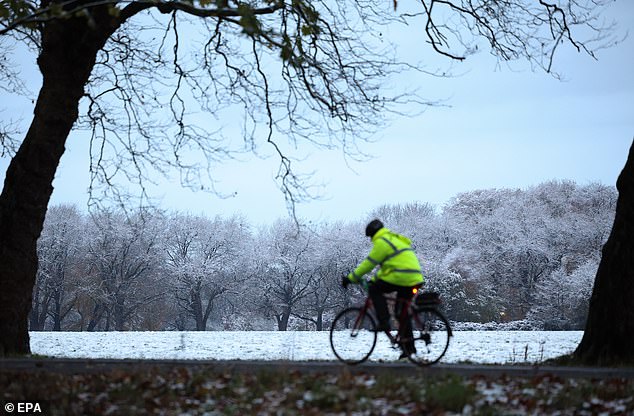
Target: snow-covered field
{"x": 473, "y": 346}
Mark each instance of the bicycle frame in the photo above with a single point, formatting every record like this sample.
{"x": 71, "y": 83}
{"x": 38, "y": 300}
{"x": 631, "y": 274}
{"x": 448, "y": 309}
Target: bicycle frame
{"x": 405, "y": 312}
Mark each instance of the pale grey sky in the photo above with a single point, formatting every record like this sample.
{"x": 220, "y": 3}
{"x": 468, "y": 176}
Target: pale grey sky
{"x": 504, "y": 128}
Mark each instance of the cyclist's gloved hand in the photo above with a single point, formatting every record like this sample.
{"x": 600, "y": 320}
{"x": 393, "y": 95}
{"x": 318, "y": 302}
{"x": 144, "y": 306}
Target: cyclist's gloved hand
{"x": 345, "y": 281}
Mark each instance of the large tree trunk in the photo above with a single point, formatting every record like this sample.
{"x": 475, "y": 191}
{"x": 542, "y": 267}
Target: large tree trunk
{"x": 609, "y": 334}
{"x": 69, "y": 50}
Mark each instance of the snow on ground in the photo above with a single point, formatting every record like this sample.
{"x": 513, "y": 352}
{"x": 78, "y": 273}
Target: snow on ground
{"x": 472, "y": 346}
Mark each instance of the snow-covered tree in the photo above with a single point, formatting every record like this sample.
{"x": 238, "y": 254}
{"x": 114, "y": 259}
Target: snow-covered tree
{"x": 285, "y": 270}
{"x": 510, "y": 240}
{"x": 123, "y": 267}
{"x": 59, "y": 251}
{"x": 494, "y": 255}
{"x": 334, "y": 257}
{"x": 205, "y": 260}
{"x": 562, "y": 299}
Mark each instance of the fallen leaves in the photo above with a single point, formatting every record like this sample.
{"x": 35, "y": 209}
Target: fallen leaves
{"x": 198, "y": 390}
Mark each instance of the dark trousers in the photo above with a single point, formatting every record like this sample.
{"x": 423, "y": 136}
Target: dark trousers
{"x": 377, "y": 291}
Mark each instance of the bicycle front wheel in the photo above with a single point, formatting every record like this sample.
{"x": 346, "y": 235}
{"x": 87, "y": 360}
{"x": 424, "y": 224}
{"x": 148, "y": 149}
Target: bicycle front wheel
{"x": 431, "y": 332}
{"x": 353, "y": 335}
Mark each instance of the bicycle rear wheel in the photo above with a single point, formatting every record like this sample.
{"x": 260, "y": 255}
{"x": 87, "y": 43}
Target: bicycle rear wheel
{"x": 353, "y": 335}
{"x": 431, "y": 336}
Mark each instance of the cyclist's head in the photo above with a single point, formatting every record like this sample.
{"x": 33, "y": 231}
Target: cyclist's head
{"x": 373, "y": 227}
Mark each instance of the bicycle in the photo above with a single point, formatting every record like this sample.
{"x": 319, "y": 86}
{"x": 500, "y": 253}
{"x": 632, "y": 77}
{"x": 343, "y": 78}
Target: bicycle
{"x": 353, "y": 333}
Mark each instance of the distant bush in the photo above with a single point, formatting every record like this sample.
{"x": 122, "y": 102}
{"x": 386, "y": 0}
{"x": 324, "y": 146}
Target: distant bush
{"x": 523, "y": 325}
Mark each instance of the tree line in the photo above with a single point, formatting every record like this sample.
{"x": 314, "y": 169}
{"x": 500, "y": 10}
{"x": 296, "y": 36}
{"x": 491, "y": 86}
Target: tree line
{"x": 498, "y": 255}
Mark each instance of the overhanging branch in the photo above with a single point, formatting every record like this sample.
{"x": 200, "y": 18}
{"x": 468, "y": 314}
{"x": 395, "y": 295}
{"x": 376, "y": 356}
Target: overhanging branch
{"x": 63, "y": 10}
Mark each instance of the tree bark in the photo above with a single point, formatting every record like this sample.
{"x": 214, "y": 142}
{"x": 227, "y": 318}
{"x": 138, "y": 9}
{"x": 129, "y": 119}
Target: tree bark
{"x": 197, "y": 311}
{"x": 40, "y": 306}
{"x": 119, "y": 313}
{"x": 58, "y": 314}
{"x": 319, "y": 325}
{"x": 69, "y": 50}
{"x": 95, "y": 318}
{"x": 282, "y": 319}
{"x": 608, "y": 338}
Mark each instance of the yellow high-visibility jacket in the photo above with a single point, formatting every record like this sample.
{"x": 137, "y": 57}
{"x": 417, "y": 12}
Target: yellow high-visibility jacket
{"x": 396, "y": 258}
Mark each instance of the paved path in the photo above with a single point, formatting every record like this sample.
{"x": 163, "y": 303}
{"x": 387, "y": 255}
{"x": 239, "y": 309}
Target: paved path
{"x": 72, "y": 366}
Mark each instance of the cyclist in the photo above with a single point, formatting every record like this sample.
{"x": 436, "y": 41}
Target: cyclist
{"x": 399, "y": 271}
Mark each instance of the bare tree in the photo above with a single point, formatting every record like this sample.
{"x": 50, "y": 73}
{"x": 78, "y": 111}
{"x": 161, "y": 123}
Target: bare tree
{"x": 286, "y": 275}
{"x": 59, "y": 248}
{"x": 204, "y": 262}
{"x": 295, "y": 70}
{"x": 124, "y": 265}
{"x": 334, "y": 254}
